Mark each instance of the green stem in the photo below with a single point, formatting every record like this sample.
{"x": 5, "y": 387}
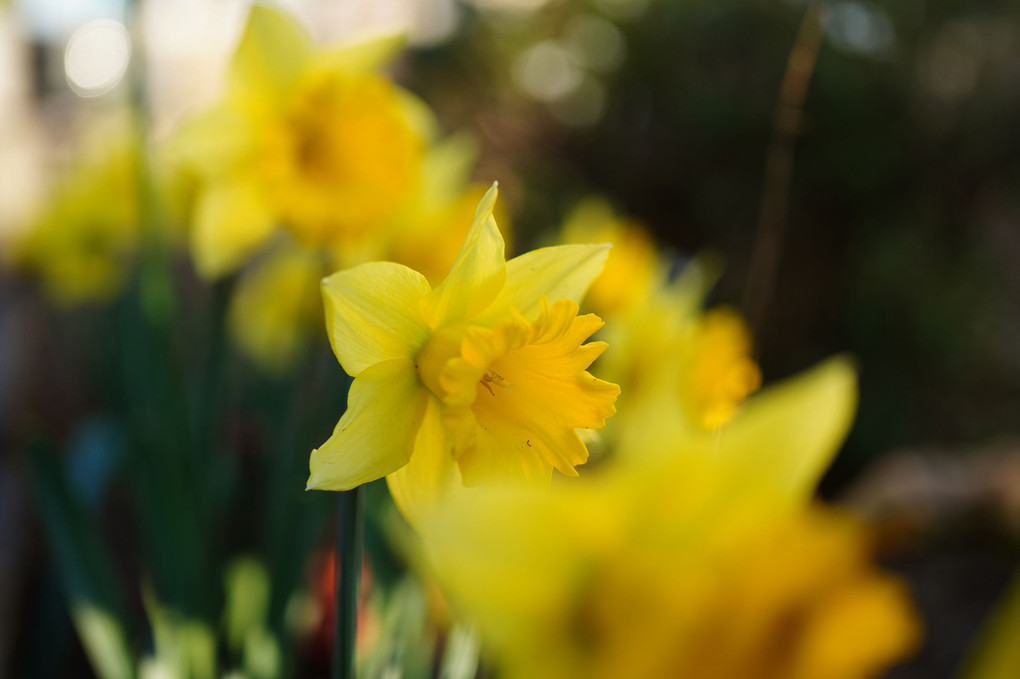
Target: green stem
{"x": 349, "y": 544}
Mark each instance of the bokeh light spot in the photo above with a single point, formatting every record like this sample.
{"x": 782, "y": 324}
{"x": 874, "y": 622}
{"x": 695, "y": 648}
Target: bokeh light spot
{"x": 546, "y": 71}
{"x": 861, "y": 28}
{"x": 97, "y": 57}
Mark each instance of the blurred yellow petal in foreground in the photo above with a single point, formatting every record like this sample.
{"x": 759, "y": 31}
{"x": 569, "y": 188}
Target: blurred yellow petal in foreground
{"x": 312, "y": 140}
{"x": 688, "y": 569}
{"x": 480, "y": 379}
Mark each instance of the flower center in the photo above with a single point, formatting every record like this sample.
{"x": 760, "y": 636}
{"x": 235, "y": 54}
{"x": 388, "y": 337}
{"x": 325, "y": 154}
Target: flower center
{"x": 343, "y": 158}
{"x": 514, "y": 395}
{"x": 491, "y": 377}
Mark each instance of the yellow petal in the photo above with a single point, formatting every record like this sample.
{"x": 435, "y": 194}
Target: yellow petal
{"x": 232, "y": 219}
{"x": 212, "y": 144}
{"x": 477, "y": 274}
{"x": 788, "y": 434}
{"x": 377, "y": 433}
{"x": 430, "y": 474}
{"x": 372, "y": 314}
{"x": 271, "y": 55}
{"x": 561, "y": 272}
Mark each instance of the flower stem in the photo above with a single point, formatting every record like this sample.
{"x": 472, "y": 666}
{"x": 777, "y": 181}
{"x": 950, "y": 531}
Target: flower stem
{"x": 349, "y": 544}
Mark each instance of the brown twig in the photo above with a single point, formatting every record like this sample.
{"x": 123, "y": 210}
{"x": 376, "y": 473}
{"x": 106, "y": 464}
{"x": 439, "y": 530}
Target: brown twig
{"x": 786, "y": 126}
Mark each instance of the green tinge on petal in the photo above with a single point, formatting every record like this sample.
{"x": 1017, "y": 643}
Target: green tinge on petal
{"x": 361, "y": 57}
{"x": 377, "y": 433}
{"x": 448, "y": 167}
{"x": 477, "y": 275}
{"x": 787, "y": 435}
{"x": 560, "y": 272}
{"x": 430, "y": 475}
{"x": 372, "y": 314}
{"x": 273, "y": 51}
{"x": 419, "y": 115}
{"x": 232, "y": 219}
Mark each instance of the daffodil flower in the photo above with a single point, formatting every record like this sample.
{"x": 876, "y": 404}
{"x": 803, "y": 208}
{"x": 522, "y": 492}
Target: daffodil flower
{"x": 481, "y": 374}
{"x": 83, "y": 242}
{"x": 314, "y": 140}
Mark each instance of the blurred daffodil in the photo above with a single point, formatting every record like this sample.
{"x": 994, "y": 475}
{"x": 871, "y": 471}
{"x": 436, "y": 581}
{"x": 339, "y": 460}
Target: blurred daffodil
{"x": 312, "y": 140}
{"x": 692, "y": 367}
{"x": 696, "y": 400}
{"x": 633, "y": 266}
{"x": 83, "y": 243}
{"x": 720, "y": 370}
{"x": 481, "y": 371}
{"x": 426, "y": 234}
{"x": 274, "y": 307}
{"x": 705, "y": 357}
{"x": 687, "y": 565}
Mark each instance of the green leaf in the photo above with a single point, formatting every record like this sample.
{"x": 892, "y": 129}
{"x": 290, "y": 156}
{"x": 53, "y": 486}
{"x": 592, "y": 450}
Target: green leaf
{"x": 185, "y": 646}
{"x": 85, "y": 569}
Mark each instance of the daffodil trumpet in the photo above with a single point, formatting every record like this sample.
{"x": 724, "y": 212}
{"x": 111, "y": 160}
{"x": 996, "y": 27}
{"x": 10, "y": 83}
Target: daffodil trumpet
{"x": 479, "y": 380}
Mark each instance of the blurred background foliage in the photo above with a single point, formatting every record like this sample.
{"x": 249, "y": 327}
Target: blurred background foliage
{"x": 900, "y": 246}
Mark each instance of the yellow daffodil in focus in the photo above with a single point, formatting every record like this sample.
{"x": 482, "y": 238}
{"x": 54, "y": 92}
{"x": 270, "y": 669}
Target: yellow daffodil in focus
{"x": 312, "y": 140}
{"x": 686, "y": 566}
{"x": 484, "y": 375}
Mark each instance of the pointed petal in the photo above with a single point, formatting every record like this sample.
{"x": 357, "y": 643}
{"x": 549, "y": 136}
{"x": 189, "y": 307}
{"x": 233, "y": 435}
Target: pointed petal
{"x": 788, "y": 434}
{"x": 477, "y": 274}
{"x": 232, "y": 219}
{"x": 372, "y": 314}
{"x": 377, "y": 433}
{"x": 561, "y": 272}
{"x": 273, "y": 50}
{"x": 430, "y": 475}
